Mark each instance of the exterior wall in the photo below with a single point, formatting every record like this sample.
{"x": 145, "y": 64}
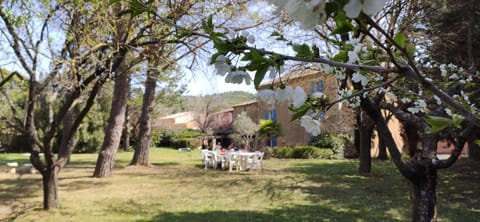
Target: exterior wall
{"x": 185, "y": 120}
{"x": 338, "y": 119}
{"x": 252, "y": 109}
{"x": 222, "y": 120}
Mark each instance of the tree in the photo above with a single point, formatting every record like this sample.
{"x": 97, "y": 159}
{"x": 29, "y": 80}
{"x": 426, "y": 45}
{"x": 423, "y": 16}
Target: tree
{"x": 388, "y": 62}
{"x": 268, "y": 129}
{"x": 244, "y": 130}
{"x": 76, "y": 72}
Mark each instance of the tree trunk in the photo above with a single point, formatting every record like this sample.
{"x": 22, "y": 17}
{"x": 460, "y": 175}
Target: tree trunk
{"x": 113, "y": 132}
{"x": 50, "y": 188}
{"x": 382, "y": 150}
{"x": 412, "y": 138}
{"x": 142, "y": 146}
{"x": 366, "y": 130}
{"x": 424, "y": 195}
{"x": 126, "y": 128}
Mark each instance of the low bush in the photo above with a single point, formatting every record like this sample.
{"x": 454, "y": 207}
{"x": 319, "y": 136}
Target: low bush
{"x": 302, "y": 152}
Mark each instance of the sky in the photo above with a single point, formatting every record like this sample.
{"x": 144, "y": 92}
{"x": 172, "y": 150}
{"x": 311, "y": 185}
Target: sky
{"x": 209, "y": 83}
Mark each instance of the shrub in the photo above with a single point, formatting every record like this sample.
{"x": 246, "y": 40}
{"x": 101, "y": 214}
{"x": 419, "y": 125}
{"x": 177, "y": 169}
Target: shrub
{"x": 323, "y": 140}
{"x": 162, "y": 138}
{"x": 305, "y": 152}
{"x": 302, "y": 152}
{"x": 283, "y": 152}
{"x": 179, "y": 143}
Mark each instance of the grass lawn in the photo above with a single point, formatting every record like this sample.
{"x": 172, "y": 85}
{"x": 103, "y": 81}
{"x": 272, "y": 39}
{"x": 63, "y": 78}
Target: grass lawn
{"x": 177, "y": 188}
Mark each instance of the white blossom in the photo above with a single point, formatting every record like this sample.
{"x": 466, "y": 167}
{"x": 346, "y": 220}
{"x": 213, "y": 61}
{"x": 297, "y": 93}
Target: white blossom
{"x": 420, "y": 106}
{"x": 454, "y": 76}
{"x": 369, "y": 7}
{"x": 308, "y": 13}
{"x": 267, "y": 96}
{"x": 359, "y": 78}
{"x": 318, "y": 94}
{"x": 298, "y": 97}
{"x": 222, "y": 66}
{"x": 238, "y": 77}
{"x": 443, "y": 71}
{"x": 283, "y": 95}
{"x": 448, "y": 111}
{"x": 405, "y": 100}
{"x": 311, "y": 125}
{"x": 438, "y": 100}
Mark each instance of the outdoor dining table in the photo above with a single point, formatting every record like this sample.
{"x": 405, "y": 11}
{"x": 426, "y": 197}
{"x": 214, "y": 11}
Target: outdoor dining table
{"x": 238, "y": 159}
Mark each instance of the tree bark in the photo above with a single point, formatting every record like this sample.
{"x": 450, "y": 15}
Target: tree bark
{"x": 142, "y": 146}
{"x": 113, "y": 132}
{"x": 382, "y": 150}
{"x": 50, "y": 188}
{"x": 424, "y": 194}
{"x": 366, "y": 130}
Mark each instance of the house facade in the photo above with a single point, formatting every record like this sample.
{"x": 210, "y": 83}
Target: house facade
{"x": 337, "y": 120}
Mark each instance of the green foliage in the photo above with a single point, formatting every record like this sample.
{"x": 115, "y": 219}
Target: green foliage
{"x": 335, "y": 143}
{"x": 400, "y": 39}
{"x": 175, "y": 138}
{"x": 323, "y": 140}
{"x": 438, "y": 123}
{"x": 283, "y": 152}
{"x": 90, "y": 136}
{"x": 162, "y": 138}
{"x": 268, "y": 128}
{"x": 187, "y": 133}
{"x": 301, "y": 152}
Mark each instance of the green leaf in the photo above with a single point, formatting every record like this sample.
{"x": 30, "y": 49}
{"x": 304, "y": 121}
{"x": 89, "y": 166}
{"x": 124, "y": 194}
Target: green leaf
{"x": 341, "y": 56}
{"x": 411, "y": 49}
{"x": 400, "y": 39}
{"x": 457, "y": 120}
{"x": 438, "y": 123}
{"x": 303, "y": 51}
{"x": 259, "y": 75}
{"x": 138, "y": 8}
{"x": 207, "y": 26}
{"x": 299, "y": 112}
{"x": 477, "y": 142}
{"x": 343, "y": 24}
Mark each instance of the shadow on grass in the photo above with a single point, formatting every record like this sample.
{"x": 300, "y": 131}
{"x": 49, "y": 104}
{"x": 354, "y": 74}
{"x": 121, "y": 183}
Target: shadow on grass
{"x": 19, "y": 187}
{"x": 304, "y": 213}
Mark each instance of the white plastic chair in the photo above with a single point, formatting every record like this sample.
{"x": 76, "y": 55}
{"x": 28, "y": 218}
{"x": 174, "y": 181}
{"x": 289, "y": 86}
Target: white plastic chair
{"x": 232, "y": 160}
{"x": 255, "y": 161}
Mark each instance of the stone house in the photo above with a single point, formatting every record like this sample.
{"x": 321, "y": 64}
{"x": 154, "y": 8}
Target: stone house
{"x": 338, "y": 119}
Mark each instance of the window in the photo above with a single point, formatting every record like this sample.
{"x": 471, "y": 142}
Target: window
{"x": 271, "y": 115}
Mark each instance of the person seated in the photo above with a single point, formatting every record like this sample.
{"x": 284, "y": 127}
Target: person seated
{"x": 222, "y": 150}
{"x": 217, "y": 147}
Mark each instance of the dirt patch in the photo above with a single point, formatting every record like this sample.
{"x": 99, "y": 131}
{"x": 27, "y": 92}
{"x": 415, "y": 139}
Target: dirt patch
{"x": 5, "y": 212}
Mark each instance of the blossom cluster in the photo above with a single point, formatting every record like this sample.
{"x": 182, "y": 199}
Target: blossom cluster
{"x": 297, "y": 96}
{"x": 232, "y": 76}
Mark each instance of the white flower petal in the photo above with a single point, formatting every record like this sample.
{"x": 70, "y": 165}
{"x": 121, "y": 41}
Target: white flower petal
{"x": 353, "y": 8}
{"x": 299, "y": 97}
{"x": 371, "y": 7}
{"x": 267, "y": 96}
